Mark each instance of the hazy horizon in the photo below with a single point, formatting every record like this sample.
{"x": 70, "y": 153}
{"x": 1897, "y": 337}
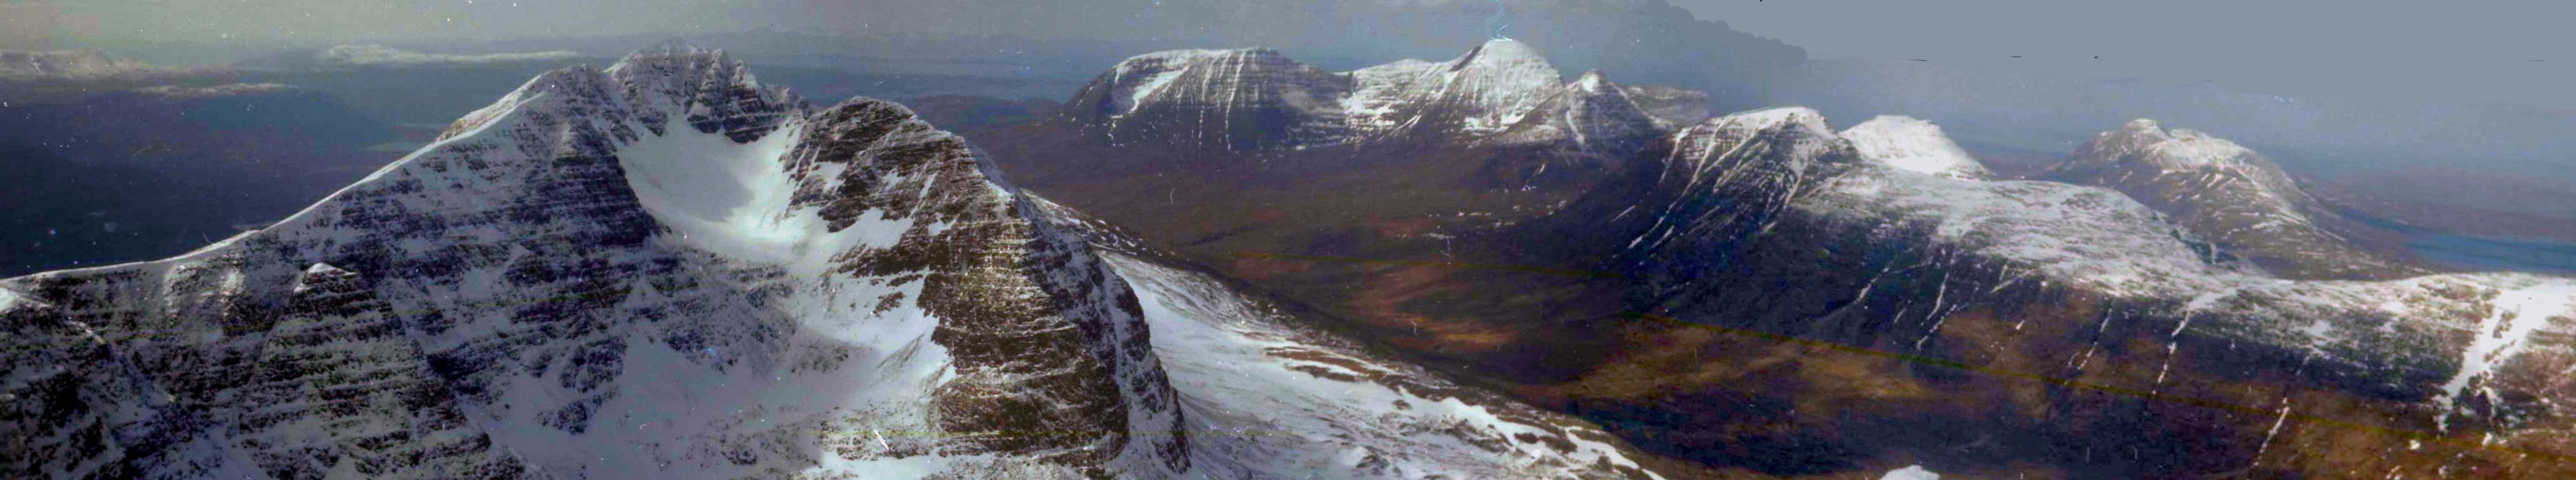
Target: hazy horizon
{"x": 2481, "y": 52}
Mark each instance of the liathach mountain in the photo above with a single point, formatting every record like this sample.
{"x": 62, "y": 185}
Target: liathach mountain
{"x": 664, "y": 269}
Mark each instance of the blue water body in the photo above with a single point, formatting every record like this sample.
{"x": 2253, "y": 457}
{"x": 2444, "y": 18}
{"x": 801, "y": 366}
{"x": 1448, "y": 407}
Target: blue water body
{"x": 2489, "y": 253}
{"x": 2477, "y": 253}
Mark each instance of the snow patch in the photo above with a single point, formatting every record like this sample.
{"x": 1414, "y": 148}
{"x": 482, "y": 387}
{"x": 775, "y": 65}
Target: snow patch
{"x": 1913, "y": 472}
{"x": 1912, "y": 145}
{"x": 735, "y": 199}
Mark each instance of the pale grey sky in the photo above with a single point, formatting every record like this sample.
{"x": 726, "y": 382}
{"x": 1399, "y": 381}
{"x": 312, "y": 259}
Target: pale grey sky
{"x": 2454, "y": 50}
{"x": 2459, "y": 50}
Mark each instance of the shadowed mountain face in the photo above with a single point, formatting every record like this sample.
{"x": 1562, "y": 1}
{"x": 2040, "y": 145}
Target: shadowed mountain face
{"x": 1760, "y": 295}
{"x": 666, "y": 269}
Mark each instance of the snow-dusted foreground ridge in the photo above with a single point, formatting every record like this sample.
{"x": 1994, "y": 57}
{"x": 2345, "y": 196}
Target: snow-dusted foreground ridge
{"x": 664, "y": 269}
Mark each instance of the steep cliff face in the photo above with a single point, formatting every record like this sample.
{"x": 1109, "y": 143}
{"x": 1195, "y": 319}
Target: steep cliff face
{"x": 2229, "y": 194}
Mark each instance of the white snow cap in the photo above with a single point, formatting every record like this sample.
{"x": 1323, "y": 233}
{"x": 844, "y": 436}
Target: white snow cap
{"x": 2175, "y": 149}
{"x": 1507, "y": 53}
{"x": 1912, "y": 144}
{"x": 1911, "y": 472}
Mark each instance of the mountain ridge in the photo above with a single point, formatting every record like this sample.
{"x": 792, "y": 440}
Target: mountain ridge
{"x": 666, "y": 269}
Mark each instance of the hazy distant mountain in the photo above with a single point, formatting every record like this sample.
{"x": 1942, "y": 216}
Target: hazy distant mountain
{"x": 68, "y": 75}
{"x": 2230, "y": 195}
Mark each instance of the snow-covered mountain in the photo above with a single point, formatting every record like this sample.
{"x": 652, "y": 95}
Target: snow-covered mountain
{"x": 2227, "y": 193}
{"x": 1756, "y": 218}
{"x": 664, "y": 269}
{"x": 1258, "y": 99}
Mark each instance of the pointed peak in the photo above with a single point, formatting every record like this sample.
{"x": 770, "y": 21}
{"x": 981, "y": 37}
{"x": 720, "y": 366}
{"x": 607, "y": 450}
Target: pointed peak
{"x": 1503, "y": 53}
{"x": 1506, "y": 46}
{"x": 2171, "y": 149}
{"x": 1593, "y": 82}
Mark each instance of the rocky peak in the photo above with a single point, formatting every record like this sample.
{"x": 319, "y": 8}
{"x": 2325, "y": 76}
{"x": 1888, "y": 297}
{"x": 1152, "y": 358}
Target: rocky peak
{"x": 1590, "y": 114}
{"x": 708, "y": 90}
